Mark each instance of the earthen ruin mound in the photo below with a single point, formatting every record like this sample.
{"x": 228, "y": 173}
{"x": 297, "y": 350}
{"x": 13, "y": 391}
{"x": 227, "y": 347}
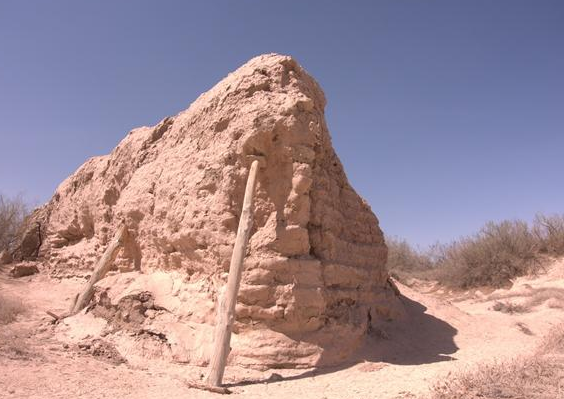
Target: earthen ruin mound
{"x": 315, "y": 279}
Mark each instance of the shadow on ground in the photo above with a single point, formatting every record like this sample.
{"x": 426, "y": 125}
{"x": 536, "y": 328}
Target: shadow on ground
{"x": 418, "y": 339}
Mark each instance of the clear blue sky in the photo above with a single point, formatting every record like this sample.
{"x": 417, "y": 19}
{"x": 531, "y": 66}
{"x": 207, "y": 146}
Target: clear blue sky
{"x": 446, "y": 114}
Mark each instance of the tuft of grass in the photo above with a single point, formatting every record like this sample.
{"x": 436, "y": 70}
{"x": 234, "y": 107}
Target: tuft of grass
{"x": 552, "y": 296}
{"x": 538, "y": 376}
{"x": 14, "y": 346}
{"x": 553, "y": 342}
{"x": 10, "y": 308}
{"x": 494, "y": 256}
{"x": 12, "y": 343}
{"x": 509, "y": 307}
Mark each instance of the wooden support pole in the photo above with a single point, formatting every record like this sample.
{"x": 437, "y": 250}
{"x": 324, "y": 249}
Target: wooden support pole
{"x": 226, "y": 308}
{"x": 100, "y": 270}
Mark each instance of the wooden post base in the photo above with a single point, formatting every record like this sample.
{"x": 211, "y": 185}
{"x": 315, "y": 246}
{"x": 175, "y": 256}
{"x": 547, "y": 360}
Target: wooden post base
{"x": 205, "y": 387}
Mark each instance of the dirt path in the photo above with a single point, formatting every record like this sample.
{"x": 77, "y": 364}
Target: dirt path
{"x": 401, "y": 360}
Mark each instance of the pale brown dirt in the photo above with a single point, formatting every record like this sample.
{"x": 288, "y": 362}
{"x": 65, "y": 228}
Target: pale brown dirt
{"x": 444, "y": 332}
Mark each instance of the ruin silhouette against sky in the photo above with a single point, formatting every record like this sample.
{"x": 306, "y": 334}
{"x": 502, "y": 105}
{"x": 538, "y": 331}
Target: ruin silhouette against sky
{"x": 445, "y": 114}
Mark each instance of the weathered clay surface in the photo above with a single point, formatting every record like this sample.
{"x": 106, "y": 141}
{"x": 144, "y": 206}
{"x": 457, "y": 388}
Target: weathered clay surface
{"x": 315, "y": 274}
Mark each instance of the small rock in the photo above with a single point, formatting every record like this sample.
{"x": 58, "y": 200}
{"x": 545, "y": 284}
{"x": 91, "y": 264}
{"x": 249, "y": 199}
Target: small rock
{"x": 275, "y": 377}
{"x": 23, "y": 269}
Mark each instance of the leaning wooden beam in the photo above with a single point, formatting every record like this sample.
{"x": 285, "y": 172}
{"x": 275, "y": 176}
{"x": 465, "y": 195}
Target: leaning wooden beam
{"x": 226, "y": 309}
{"x": 82, "y": 299}
{"x": 103, "y": 266}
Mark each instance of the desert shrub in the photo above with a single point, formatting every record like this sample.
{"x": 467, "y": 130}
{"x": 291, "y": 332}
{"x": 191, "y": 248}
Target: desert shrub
{"x": 552, "y": 296}
{"x": 509, "y": 307}
{"x": 10, "y": 308}
{"x": 494, "y": 256}
{"x": 404, "y": 261}
{"x": 549, "y": 232}
{"x": 532, "y": 378}
{"x": 13, "y": 345}
{"x": 537, "y": 376}
{"x": 12, "y": 214}
{"x": 553, "y": 342}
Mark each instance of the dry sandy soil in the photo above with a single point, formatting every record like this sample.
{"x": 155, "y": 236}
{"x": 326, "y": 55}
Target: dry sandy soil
{"x": 445, "y": 332}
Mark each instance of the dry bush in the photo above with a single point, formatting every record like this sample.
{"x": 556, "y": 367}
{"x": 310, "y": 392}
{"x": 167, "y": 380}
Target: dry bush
{"x": 493, "y": 257}
{"x": 553, "y": 342}
{"x": 509, "y": 307}
{"x": 405, "y": 262}
{"x": 14, "y": 345}
{"x": 10, "y": 308}
{"x": 552, "y": 296}
{"x": 538, "y": 376}
{"x": 12, "y": 214}
{"x": 549, "y": 231}
{"x": 531, "y": 378}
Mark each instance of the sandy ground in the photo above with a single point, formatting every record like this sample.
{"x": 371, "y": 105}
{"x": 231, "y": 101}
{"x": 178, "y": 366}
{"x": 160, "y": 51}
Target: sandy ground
{"x": 444, "y": 333}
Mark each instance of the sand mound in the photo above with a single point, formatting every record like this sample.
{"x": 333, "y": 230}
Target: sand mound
{"x": 315, "y": 276}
